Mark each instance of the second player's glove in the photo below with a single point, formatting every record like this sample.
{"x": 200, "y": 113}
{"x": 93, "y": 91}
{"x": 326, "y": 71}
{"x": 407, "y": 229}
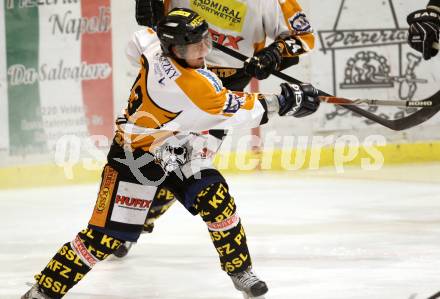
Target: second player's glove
{"x": 149, "y": 12}
{"x": 424, "y": 31}
{"x": 298, "y": 100}
{"x": 263, "y": 63}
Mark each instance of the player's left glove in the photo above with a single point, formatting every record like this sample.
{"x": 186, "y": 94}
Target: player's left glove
{"x": 298, "y": 100}
{"x": 149, "y": 12}
{"x": 424, "y": 31}
{"x": 263, "y": 63}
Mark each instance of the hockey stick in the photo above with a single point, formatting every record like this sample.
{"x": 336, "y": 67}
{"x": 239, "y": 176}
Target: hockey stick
{"x": 435, "y": 296}
{"x": 372, "y": 102}
{"x": 400, "y": 124}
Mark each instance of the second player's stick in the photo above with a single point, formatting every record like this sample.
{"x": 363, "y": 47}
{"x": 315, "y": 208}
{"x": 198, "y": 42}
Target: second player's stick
{"x": 373, "y": 102}
{"x": 400, "y": 124}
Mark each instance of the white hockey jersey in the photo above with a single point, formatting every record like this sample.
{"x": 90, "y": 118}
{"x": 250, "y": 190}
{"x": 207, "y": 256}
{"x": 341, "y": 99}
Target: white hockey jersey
{"x": 167, "y": 99}
{"x": 241, "y": 25}
{"x": 244, "y": 25}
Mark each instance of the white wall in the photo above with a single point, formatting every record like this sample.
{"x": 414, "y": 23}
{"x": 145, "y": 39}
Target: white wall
{"x": 123, "y": 26}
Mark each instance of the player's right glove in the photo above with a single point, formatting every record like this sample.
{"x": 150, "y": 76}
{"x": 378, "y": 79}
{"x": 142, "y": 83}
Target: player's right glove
{"x": 298, "y": 100}
{"x": 149, "y": 12}
{"x": 424, "y": 31}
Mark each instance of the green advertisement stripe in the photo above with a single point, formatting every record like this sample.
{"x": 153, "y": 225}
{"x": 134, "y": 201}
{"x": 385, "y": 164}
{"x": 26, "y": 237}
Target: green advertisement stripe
{"x": 22, "y": 50}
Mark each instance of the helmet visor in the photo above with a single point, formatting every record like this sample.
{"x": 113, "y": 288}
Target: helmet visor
{"x": 196, "y": 50}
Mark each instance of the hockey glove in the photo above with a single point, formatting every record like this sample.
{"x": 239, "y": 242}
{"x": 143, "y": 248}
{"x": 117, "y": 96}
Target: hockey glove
{"x": 149, "y": 12}
{"x": 424, "y": 31}
{"x": 262, "y": 64}
{"x": 298, "y": 100}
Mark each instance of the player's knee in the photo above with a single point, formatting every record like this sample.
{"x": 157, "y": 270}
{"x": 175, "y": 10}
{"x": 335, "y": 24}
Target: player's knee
{"x": 217, "y": 207}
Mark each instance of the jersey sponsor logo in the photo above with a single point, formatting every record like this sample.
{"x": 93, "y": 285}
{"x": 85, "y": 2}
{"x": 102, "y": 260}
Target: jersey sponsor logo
{"x": 168, "y": 68}
{"x": 225, "y": 40}
{"x": 135, "y": 203}
{"x": 104, "y": 197}
{"x": 300, "y": 23}
{"x": 226, "y": 14}
{"x": 212, "y": 78}
{"x": 233, "y": 103}
{"x": 132, "y": 203}
{"x": 223, "y": 72}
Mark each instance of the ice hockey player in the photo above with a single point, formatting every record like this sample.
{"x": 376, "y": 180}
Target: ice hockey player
{"x": 158, "y": 144}
{"x": 243, "y": 26}
{"x": 424, "y": 29}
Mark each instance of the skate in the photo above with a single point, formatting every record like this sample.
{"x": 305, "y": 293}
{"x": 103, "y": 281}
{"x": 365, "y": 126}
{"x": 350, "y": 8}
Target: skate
{"x": 123, "y": 249}
{"x": 35, "y": 293}
{"x": 249, "y": 284}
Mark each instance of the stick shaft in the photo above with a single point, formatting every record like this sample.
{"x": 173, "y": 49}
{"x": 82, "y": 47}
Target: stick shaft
{"x": 371, "y": 102}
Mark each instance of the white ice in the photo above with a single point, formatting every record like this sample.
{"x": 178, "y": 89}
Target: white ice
{"x": 310, "y": 236}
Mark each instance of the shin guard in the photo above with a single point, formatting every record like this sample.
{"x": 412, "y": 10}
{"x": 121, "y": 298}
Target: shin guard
{"x": 217, "y": 208}
{"x": 74, "y": 260}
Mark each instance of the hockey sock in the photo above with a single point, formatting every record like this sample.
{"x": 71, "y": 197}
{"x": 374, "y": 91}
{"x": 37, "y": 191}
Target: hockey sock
{"x": 217, "y": 208}
{"x": 74, "y": 260}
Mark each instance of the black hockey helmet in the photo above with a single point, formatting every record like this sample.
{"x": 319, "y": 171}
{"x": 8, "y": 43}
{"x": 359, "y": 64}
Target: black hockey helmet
{"x": 181, "y": 27}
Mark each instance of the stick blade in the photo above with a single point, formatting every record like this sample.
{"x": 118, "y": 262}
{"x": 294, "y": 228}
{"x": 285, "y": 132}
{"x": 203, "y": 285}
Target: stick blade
{"x": 403, "y": 123}
{"x": 420, "y": 116}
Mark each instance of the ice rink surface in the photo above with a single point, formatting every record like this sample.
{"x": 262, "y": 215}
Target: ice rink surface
{"x": 311, "y": 236}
